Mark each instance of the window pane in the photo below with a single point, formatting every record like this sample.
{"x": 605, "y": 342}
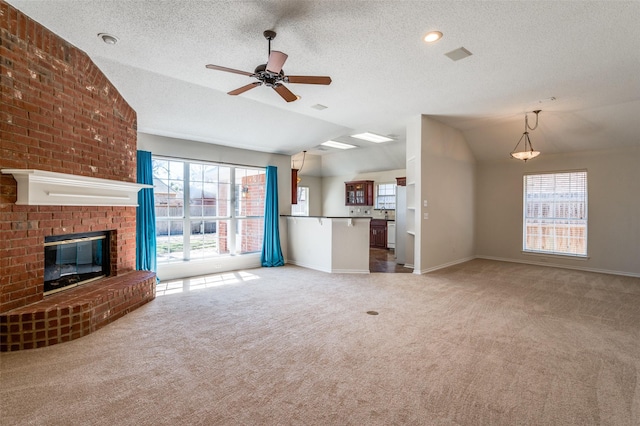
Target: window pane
{"x": 169, "y": 240}
{"x": 250, "y": 190}
{"x": 386, "y": 196}
{"x": 175, "y": 194}
{"x": 224, "y": 175}
{"x": 195, "y": 172}
{"x": 176, "y": 170}
{"x": 203, "y": 239}
{"x": 249, "y": 235}
{"x": 555, "y": 213}
{"x": 210, "y": 173}
{"x": 223, "y": 203}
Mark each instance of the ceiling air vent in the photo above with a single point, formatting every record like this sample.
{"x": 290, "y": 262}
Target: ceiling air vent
{"x": 319, "y": 107}
{"x": 457, "y": 54}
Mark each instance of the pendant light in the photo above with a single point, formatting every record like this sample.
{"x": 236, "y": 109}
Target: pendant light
{"x": 527, "y": 152}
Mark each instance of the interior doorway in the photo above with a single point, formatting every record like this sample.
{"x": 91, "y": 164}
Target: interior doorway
{"x": 384, "y": 261}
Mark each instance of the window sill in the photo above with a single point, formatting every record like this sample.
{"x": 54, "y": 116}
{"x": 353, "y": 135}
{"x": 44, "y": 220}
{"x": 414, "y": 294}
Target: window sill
{"x": 555, "y": 255}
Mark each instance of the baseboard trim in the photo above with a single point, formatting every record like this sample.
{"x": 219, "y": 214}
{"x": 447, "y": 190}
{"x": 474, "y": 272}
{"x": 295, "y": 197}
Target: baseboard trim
{"x": 350, "y": 271}
{"x": 304, "y": 265}
{"x": 444, "y": 265}
{"x": 555, "y": 265}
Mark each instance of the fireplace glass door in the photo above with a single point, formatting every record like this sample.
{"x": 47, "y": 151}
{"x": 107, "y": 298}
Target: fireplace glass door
{"x": 75, "y": 259}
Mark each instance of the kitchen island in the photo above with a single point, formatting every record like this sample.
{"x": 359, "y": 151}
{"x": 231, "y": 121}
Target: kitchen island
{"x": 328, "y": 244}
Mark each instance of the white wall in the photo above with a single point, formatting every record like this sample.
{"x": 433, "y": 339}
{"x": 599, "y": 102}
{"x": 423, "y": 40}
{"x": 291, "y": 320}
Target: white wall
{"x": 186, "y": 149}
{"x": 613, "y": 179}
{"x": 366, "y": 159}
{"x": 333, "y": 190}
{"x": 447, "y": 182}
{"x": 314, "y": 184}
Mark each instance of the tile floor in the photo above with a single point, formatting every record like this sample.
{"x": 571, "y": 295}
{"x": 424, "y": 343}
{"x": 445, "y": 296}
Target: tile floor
{"x": 381, "y": 260}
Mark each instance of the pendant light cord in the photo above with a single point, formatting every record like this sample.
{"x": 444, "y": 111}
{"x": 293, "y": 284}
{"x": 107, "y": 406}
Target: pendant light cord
{"x": 526, "y": 121}
{"x": 304, "y": 155}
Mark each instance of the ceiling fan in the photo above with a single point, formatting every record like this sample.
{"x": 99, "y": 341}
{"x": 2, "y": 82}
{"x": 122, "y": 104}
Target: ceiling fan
{"x": 271, "y": 74}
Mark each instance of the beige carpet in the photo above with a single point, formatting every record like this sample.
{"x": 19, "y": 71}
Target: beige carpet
{"x": 483, "y": 343}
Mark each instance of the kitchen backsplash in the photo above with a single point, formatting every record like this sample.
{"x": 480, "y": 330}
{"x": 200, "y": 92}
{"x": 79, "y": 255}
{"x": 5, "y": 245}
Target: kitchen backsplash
{"x": 368, "y": 211}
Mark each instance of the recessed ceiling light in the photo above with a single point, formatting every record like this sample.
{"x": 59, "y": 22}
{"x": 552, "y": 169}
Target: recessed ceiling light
{"x": 339, "y": 145}
{"x": 433, "y": 36}
{"x": 371, "y": 137}
{"x": 108, "y": 38}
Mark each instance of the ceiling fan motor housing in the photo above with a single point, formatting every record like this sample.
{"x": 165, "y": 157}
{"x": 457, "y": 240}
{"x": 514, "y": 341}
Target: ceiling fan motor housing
{"x": 269, "y": 79}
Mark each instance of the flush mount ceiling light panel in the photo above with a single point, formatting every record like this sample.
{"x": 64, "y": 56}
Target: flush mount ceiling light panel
{"x": 432, "y": 36}
{"x": 339, "y": 145}
{"x": 527, "y": 152}
{"x": 372, "y": 137}
{"x": 108, "y": 38}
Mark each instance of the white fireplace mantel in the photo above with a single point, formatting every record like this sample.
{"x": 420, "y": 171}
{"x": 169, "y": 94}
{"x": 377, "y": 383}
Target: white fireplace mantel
{"x": 42, "y": 188}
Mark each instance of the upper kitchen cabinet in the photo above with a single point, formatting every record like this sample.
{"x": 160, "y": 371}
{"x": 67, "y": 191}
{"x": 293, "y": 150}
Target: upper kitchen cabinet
{"x": 359, "y": 193}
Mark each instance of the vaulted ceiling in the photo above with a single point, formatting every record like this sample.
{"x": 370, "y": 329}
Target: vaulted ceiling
{"x": 583, "y": 54}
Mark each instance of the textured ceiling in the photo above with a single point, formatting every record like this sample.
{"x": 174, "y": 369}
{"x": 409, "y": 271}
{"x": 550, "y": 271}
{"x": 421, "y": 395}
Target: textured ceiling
{"x": 585, "y": 54}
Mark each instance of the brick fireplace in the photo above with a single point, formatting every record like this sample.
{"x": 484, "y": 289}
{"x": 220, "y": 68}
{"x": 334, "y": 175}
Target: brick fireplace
{"x": 59, "y": 113}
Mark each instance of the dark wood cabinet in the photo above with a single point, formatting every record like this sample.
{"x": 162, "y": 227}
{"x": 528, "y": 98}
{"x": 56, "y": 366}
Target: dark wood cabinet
{"x": 294, "y": 186}
{"x": 358, "y": 193}
{"x": 378, "y": 237}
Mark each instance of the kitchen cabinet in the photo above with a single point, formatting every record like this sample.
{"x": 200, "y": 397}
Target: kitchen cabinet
{"x": 358, "y": 193}
{"x": 378, "y": 237}
{"x": 294, "y": 186}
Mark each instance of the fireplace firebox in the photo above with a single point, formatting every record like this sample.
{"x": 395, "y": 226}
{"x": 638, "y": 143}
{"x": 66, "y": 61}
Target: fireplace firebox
{"x": 75, "y": 259}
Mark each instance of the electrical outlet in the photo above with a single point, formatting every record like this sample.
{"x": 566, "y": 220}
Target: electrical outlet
{"x": 424, "y": 203}
{"x": 426, "y": 216}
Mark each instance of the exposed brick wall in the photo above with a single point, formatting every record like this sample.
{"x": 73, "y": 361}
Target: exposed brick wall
{"x": 253, "y": 205}
{"x": 58, "y": 112}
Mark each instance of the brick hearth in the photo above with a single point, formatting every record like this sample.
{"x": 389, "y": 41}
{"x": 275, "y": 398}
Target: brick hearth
{"x": 75, "y": 313}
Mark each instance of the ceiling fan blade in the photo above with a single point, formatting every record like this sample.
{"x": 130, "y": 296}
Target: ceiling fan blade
{"x": 276, "y": 61}
{"x": 216, "y": 67}
{"x": 307, "y": 79}
{"x": 286, "y": 94}
{"x": 244, "y": 88}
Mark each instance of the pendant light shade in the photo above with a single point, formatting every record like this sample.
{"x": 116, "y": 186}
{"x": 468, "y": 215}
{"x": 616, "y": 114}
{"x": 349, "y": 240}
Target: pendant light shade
{"x": 526, "y": 152}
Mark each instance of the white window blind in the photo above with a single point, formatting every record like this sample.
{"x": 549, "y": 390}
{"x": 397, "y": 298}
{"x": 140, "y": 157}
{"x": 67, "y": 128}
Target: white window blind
{"x": 555, "y": 213}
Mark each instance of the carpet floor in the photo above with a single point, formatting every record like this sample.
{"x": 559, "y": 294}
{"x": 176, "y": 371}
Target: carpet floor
{"x": 481, "y": 343}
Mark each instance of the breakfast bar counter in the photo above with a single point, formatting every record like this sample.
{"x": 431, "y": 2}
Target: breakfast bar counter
{"x": 329, "y": 244}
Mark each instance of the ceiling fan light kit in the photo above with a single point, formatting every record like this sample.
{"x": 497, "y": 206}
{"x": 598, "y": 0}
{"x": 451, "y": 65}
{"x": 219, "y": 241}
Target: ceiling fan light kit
{"x": 272, "y": 75}
{"x": 527, "y": 152}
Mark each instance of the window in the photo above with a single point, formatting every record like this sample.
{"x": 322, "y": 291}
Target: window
{"x": 302, "y": 208}
{"x": 205, "y": 209}
{"x": 386, "y": 196}
{"x": 555, "y": 213}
